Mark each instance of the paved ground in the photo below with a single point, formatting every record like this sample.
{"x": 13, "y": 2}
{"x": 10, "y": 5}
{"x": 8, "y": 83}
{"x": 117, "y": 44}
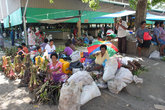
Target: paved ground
{"x": 134, "y": 97}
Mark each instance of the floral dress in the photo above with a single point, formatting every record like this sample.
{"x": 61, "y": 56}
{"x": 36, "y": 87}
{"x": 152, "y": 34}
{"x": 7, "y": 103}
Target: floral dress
{"x": 58, "y": 76}
{"x": 31, "y": 38}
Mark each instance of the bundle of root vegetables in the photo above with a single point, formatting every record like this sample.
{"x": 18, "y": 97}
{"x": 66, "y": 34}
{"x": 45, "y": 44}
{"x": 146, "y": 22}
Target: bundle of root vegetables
{"x": 34, "y": 75}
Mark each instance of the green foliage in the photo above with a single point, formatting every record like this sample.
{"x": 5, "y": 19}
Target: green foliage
{"x": 159, "y": 3}
{"x": 60, "y": 48}
{"x": 51, "y": 1}
{"x": 163, "y": 58}
{"x": 11, "y": 51}
{"x": 133, "y": 4}
{"x": 155, "y": 2}
{"x": 139, "y": 71}
{"x": 93, "y": 4}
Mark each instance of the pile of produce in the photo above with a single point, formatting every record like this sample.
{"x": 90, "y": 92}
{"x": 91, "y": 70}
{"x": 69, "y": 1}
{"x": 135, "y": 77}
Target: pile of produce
{"x": 34, "y": 76}
{"x": 48, "y": 93}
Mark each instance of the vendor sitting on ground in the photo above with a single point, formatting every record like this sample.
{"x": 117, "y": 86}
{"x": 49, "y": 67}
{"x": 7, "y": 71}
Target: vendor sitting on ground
{"x": 110, "y": 35}
{"x": 50, "y": 48}
{"x": 55, "y": 69}
{"x": 20, "y": 52}
{"x": 90, "y": 37}
{"x": 38, "y": 53}
{"x": 25, "y": 49}
{"x": 67, "y": 51}
{"x": 99, "y": 38}
{"x": 43, "y": 45}
{"x": 71, "y": 45}
{"x": 85, "y": 38}
{"x": 101, "y": 58}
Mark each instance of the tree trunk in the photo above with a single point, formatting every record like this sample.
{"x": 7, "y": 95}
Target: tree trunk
{"x": 141, "y": 11}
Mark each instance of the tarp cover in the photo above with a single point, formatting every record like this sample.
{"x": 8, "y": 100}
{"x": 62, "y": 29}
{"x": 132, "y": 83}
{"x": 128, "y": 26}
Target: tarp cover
{"x": 6, "y": 22}
{"x": 151, "y": 17}
{"x": 155, "y": 17}
{"x": 16, "y": 17}
{"x": 35, "y": 15}
{"x": 117, "y": 14}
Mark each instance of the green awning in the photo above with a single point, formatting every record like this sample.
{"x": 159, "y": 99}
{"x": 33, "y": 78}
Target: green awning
{"x": 34, "y": 15}
{"x": 88, "y": 17}
{"x": 6, "y": 22}
{"x": 149, "y": 22}
{"x": 16, "y": 17}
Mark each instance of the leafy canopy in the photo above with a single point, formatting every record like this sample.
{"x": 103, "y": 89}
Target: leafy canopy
{"x": 157, "y": 3}
{"x": 93, "y": 4}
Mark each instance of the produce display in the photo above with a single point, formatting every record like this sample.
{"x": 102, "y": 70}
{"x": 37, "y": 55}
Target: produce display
{"x": 35, "y": 76}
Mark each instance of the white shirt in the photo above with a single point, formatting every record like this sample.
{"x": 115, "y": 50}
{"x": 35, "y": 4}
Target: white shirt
{"x": 49, "y": 49}
{"x": 122, "y": 32}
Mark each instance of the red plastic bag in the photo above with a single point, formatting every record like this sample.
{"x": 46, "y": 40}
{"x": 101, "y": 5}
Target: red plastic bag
{"x": 82, "y": 60}
{"x": 146, "y": 36}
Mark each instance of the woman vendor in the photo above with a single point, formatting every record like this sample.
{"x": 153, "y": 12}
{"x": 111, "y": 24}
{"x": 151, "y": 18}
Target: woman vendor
{"x": 101, "y": 58}
{"x": 55, "y": 69}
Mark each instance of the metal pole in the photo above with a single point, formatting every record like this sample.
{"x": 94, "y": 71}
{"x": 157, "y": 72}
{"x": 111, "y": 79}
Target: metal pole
{"x": 24, "y": 23}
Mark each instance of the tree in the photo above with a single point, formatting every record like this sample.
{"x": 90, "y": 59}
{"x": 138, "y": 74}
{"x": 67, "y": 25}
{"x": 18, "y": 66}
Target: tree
{"x": 141, "y": 11}
{"x": 93, "y": 4}
{"x": 141, "y": 7}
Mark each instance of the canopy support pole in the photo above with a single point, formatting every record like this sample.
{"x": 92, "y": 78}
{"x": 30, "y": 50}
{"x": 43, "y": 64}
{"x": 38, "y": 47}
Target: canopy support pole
{"x": 24, "y": 23}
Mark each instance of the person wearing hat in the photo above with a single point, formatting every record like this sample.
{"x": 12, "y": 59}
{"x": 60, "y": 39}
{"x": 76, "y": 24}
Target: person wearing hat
{"x": 121, "y": 28}
{"x": 110, "y": 34}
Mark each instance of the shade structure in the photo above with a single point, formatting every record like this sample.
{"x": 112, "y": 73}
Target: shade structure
{"x": 59, "y": 20}
{"x": 149, "y": 16}
{"x": 95, "y": 47}
{"x": 38, "y": 15}
{"x": 153, "y": 17}
{"x": 117, "y": 14}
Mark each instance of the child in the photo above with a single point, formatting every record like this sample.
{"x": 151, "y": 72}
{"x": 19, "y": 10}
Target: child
{"x": 20, "y": 52}
{"x": 25, "y": 49}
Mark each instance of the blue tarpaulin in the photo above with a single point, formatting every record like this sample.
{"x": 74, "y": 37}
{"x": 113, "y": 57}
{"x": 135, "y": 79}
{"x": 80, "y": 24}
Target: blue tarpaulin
{"x": 151, "y": 17}
{"x": 155, "y": 17}
{"x": 117, "y": 14}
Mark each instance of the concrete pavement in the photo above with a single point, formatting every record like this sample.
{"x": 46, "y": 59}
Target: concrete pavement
{"x": 136, "y": 97}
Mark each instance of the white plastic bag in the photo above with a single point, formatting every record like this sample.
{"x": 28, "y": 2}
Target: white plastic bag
{"x": 125, "y": 60}
{"x": 89, "y": 92}
{"x": 70, "y": 96}
{"x": 81, "y": 76}
{"x": 110, "y": 69}
{"x": 124, "y": 75}
{"x": 75, "y": 70}
{"x": 101, "y": 83}
{"x": 46, "y": 55}
{"x": 137, "y": 80}
{"x": 155, "y": 54}
{"x": 75, "y": 56}
{"x": 116, "y": 85}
